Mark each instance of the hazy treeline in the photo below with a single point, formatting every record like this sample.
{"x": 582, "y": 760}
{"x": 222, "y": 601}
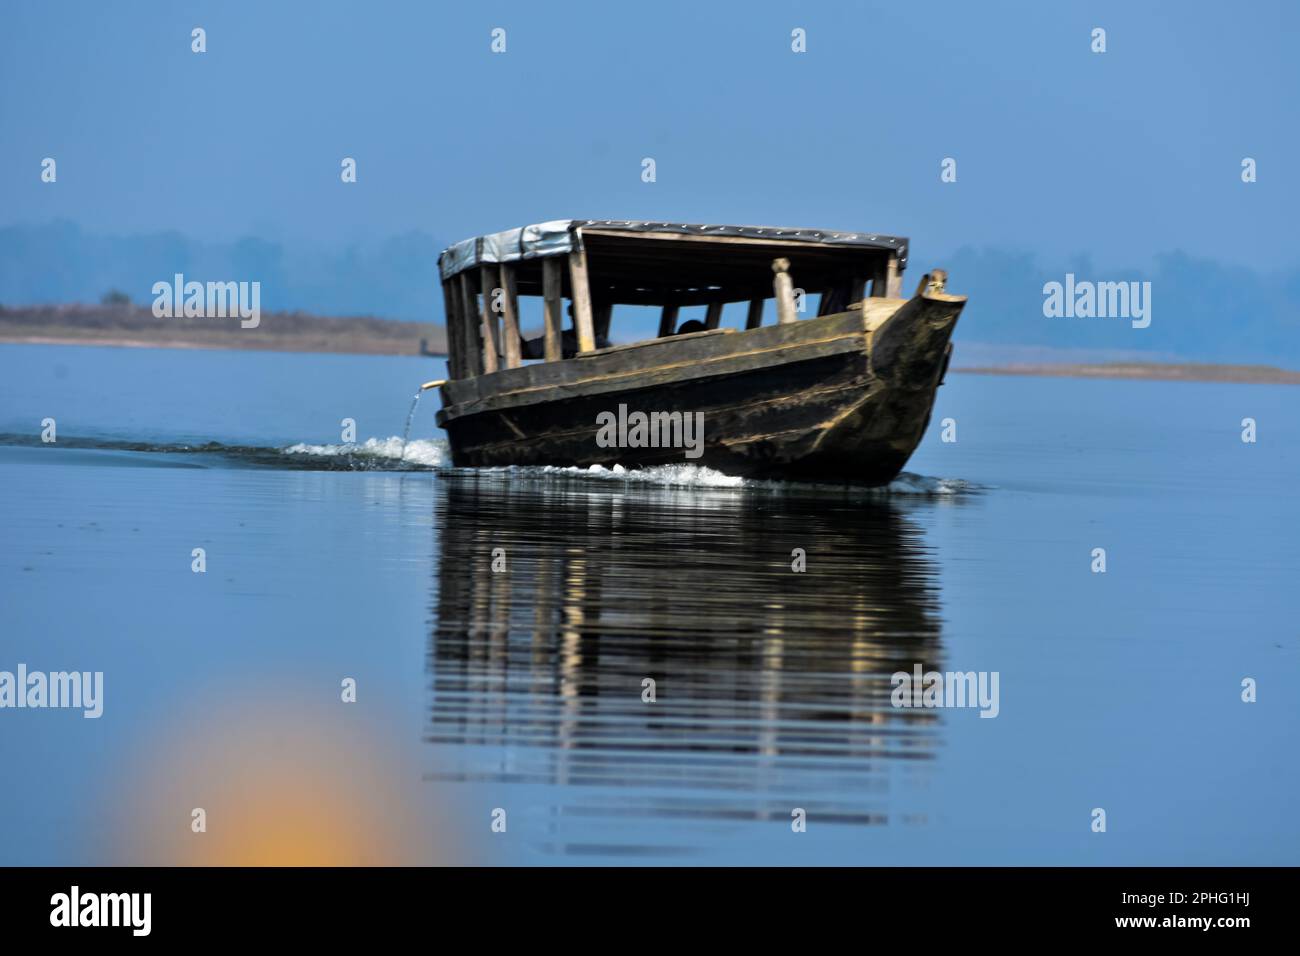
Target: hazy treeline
{"x": 1202, "y": 310}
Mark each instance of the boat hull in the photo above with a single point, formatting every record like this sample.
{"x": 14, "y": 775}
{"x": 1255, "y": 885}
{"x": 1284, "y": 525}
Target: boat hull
{"x": 842, "y": 398}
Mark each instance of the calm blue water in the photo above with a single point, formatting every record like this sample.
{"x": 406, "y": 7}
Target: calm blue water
{"x": 521, "y": 690}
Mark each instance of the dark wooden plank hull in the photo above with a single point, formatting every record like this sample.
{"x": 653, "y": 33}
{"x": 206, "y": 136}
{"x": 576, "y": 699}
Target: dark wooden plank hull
{"x": 843, "y": 398}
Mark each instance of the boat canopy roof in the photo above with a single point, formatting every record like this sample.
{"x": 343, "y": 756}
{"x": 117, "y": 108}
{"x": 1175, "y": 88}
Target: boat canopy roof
{"x": 634, "y": 238}
{"x": 598, "y": 264}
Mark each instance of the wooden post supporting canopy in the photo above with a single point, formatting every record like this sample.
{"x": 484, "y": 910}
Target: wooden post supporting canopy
{"x": 713, "y": 318}
{"x": 828, "y": 301}
{"x": 784, "y": 287}
{"x": 581, "y": 295}
{"x": 552, "y": 308}
{"x": 488, "y": 276}
{"x": 451, "y": 309}
{"x": 857, "y": 289}
{"x": 510, "y": 316}
{"x": 668, "y": 320}
{"x": 893, "y": 279}
{"x": 470, "y": 327}
{"x": 754, "y": 318}
{"x": 603, "y": 314}
{"x": 879, "y": 279}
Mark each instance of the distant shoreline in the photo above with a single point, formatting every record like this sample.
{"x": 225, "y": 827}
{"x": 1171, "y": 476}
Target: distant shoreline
{"x": 1146, "y": 371}
{"x": 128, "y": 326}
{"x": 279, "y": 344}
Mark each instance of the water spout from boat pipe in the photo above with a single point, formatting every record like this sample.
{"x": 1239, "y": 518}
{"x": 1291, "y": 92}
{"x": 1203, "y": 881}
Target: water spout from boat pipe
{"x": 406, "y": 432}
{"x": 410, "y": 416}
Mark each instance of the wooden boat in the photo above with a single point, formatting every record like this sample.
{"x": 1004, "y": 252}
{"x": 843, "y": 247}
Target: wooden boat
{"x": 841, "y": 396}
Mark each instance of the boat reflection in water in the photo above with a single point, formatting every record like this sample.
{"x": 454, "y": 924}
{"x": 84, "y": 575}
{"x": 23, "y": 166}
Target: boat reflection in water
{"x": 771, "y": 686}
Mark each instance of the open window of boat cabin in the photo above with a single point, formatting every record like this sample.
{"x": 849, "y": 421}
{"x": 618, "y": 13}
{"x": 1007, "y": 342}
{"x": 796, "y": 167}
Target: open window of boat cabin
{"x": 689, "y": 279}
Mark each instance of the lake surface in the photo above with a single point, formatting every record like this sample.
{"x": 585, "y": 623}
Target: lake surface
{"x": 519, "y": 695}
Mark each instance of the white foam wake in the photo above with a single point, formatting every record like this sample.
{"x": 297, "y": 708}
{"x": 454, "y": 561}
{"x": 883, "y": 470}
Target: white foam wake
{"x": 697, "y": 476}
{"x": 690, "y": 476}
{"x": 418, "y": 451}
{"x": 436, "y": 454}
{"x": 925, "y": 486}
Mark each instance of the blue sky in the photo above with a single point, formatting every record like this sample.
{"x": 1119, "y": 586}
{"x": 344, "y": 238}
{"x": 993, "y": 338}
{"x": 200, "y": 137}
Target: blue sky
{"x": 1061, "y": 153}
{"x": 1121, "y": 154}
